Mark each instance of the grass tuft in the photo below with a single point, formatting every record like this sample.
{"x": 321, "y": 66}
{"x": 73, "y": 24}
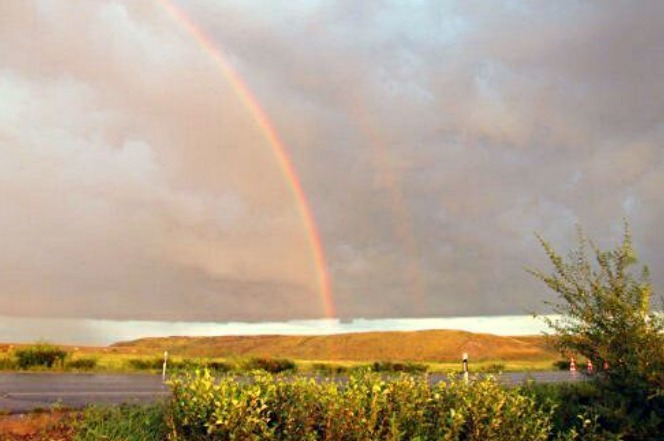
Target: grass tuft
{"x": 122, "y": 423}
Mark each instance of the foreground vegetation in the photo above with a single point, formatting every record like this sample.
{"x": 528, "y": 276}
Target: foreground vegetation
{"x": 607, "y": 317}
{"x": 367, "y": 407}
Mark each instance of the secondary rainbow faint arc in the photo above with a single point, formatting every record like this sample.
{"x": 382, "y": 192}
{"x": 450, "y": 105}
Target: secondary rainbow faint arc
{"x": 274, "y": 140}
{"x": 403, "y": 221}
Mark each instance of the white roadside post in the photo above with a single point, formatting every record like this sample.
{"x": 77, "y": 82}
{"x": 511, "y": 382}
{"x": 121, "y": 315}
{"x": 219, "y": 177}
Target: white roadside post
{"x": 465, "y": 366}
{"x": 163, "y": 370}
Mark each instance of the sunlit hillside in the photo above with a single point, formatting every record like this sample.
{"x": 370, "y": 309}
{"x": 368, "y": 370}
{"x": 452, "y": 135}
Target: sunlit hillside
{"x": 439, "y": 345}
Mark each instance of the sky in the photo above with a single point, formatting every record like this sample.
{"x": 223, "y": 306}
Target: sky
{"x": 431, "y": 140}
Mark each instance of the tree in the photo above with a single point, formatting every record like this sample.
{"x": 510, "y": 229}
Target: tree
{"x": 605, "y": 315}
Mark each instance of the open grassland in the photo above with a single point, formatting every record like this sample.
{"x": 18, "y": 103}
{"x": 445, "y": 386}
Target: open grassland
{"x": 440, "y": 346}
{"x": 433, "y": 351}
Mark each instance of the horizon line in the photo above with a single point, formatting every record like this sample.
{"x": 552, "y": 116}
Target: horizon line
{"x": 85, "y": 331}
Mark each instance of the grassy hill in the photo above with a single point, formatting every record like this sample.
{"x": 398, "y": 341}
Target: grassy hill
{"x": 431, "y": 346}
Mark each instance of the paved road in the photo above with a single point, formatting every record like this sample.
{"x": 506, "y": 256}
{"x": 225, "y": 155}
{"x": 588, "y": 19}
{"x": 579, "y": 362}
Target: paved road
{"x": 20, "y": 392}
{"x": 517, "y": 378}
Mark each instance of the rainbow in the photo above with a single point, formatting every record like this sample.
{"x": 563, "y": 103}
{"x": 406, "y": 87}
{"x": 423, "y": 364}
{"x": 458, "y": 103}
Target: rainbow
{"x": 275, "y": 142}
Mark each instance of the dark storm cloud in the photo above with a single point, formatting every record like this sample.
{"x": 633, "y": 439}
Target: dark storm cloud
{"x": 432, "y": 139}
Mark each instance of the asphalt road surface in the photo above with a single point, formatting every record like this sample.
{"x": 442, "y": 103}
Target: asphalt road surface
{"x": 21, "y": 392}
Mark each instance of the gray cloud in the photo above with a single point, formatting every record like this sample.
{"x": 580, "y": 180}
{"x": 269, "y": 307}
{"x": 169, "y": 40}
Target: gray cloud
{"x": 431, "y": 142}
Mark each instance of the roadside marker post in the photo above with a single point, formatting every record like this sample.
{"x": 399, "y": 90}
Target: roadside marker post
{"x": 163, "y": 370}
{"x": 464, "y": 363}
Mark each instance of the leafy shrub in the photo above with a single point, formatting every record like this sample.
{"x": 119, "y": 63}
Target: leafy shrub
{"x": 389, "y": 366}
{"x": 40, "y": 355}
{"x": 365, "y": 408}
{"x": 191, "y": 364}
{"x": 219, "y": 366}
{"x": 573, "y": 409}
{"x": 561, "y": 365}
{"x": 606, "y": 317}
{"x": 84, "y": 364}
{"x": 271, "y": 365}
{"x": 329, "y": 368}
{"x": 181, "y": 364}
{"x": 143, "y": 364}
{"x": 577, "y": 398}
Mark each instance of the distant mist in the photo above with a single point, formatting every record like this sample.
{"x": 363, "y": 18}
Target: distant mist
{"x": 105, "y": 332}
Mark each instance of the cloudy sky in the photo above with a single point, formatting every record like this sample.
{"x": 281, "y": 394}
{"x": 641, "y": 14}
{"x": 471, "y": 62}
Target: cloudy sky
{"x": 431, "y": 138}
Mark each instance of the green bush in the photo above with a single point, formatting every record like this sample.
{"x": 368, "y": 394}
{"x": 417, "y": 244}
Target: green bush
{"x": 561, "y": 365}
{"x": 604, "y": 304}
{"x": 188, "y": 364}
{"x": 183, "y": 364}
{"x": 390, "y": 366}
{"x": 40, "y": 355}
{"x": 329, "y": 368}
{"x": 143, "y": 364}
{"x": 365, "y": 408}
{"x": 271, "y": 365}
{"x": 191, "y": 364}
{"x": 566, "y": 400}
{"x": 83, "y": 364}
{"x": 219, "y": 366}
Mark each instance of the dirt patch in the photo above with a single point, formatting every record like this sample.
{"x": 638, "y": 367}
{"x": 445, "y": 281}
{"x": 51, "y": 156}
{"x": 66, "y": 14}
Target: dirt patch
{"x": 49, "y": 426}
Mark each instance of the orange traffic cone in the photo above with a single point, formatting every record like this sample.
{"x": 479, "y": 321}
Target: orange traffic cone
{"x": 589, "y": 366}
{"x": 572, "y": 365}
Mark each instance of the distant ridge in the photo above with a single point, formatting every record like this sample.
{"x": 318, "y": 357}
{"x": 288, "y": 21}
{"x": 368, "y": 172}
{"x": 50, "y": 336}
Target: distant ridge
{"x": 435, "y": 345}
